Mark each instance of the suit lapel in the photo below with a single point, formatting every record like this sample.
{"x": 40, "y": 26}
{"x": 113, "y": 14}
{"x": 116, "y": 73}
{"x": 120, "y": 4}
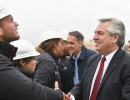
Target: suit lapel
{"x": 113, "y": 63}
{"x": 91, "y": 72}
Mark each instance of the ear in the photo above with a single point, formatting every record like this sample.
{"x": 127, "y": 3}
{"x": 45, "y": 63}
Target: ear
{"x": 115, "y": 38}
{"x": 22, "y": 63}
{"x": 81, "y": 43}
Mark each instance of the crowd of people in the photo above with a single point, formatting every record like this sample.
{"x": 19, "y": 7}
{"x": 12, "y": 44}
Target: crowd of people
{"x": 64, "y": 69}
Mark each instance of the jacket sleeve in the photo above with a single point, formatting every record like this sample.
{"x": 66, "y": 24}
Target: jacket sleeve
{"x": 16, "y": 86}
{"x": 77, "y": 90}
{"x": 45, "y": 72}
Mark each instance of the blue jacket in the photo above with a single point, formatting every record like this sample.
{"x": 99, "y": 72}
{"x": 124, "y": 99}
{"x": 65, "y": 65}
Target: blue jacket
{"x": 82, "y": 61}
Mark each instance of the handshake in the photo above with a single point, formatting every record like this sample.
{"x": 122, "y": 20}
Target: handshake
{"x": 65, "y": 96}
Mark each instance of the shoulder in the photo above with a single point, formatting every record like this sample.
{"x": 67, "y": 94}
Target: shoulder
{"x": 122, "y": 55}
{"x": 4, "y": 61}
{"x": 88, "y": 51}
{"x": 126, "y": 57}
{"x": 44, "y": 56}
{"x": 3, "y": 58}
{"x": 94, "y": 56}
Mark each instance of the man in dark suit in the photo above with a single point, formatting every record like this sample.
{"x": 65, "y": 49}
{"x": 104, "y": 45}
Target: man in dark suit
{"x": 114, "y": 81}
{"x": 81, "y": 53}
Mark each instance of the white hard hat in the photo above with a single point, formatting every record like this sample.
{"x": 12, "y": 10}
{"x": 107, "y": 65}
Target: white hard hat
{"x": 49, "y": 35}
{"x": 25, "y": 49}
{"x": 4, "y": 12}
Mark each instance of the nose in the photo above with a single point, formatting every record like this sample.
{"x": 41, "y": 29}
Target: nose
{"x": 95, "y": 37}
{"x": 68, "y": 44}
{"x": 16, "y": 24}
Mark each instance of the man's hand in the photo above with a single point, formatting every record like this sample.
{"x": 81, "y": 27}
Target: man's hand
{"x": 67, "y": 96}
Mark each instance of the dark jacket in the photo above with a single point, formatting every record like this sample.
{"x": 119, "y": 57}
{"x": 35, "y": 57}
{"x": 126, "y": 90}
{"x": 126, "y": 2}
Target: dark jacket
{"x": 16, "y": 86}
{"x": 27, "y": 73}
{"x": 82, "y": 61}
{"x": 62, "y": 62}
{"x": 115, "y": 84}
{"x": 47, "y": 69}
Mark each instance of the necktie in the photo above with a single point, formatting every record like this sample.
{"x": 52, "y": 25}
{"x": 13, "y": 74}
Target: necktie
{"x": 97, "y": 81}
{"x": 76, "y": 77}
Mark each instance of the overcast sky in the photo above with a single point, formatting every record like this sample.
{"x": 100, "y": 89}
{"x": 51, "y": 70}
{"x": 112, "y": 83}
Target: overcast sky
{"x": 36, "y": 16}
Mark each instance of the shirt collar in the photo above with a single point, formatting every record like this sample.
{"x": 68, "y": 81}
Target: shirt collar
{"x": 109, "y": 57}
{"x": 77, "y": 56}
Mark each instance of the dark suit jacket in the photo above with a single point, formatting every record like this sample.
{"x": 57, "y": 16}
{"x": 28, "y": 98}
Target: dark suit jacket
{"x": 82, "y": 61}
{"x": 115, "y": 84}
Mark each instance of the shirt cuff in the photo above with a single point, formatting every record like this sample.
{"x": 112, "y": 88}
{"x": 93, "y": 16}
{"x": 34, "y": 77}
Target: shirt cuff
{"x": 73, "y": 98}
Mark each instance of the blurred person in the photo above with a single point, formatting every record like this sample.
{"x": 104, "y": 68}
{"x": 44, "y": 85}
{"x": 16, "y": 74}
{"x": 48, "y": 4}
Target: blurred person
{"x": 108, "y": 76}
{"x": 25, "y": 59}
{"x": 47, "y": 71}
{"x": 79, "y": 57}
{"x": 63, "y": 59}
{"x": 62, "y": 62}
{"x": 13, "y": 84}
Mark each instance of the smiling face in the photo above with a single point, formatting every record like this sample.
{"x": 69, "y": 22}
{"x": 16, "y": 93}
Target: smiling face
{"x": 8, "y": 29}
{"x": 74, "y": 46}
{"x": 105, "y": 43}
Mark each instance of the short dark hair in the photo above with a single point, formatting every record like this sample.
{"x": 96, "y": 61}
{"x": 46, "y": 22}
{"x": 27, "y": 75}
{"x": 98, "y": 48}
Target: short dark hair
{"x": 77, "y": 34}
